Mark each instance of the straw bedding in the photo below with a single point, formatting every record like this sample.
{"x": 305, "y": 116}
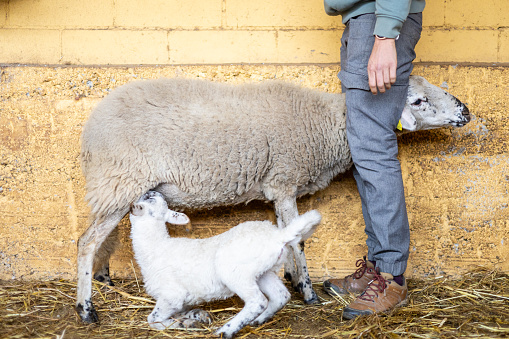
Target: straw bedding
{"x": 475, "y": 306}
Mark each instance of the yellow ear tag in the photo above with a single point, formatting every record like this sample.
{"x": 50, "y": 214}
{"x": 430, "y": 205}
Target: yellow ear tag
{"x": 399, "y": 127}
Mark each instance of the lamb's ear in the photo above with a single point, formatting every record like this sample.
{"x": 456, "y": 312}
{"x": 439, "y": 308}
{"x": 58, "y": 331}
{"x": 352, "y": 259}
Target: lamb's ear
{"x": 176, "y": 218}
{"x": 408, "y": 121}
{"x": 137, "y": 210}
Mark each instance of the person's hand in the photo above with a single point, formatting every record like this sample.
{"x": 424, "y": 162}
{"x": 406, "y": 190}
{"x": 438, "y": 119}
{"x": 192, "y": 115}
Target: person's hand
{"x": 382, "y": 65}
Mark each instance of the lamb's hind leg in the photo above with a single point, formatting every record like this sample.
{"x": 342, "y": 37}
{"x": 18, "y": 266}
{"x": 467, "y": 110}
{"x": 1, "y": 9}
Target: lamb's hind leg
{"x": 88, "y": 245}
{"x": 255, "y": 304}
{"x": 296, "y": 272}
{"x": 276, "y": 292}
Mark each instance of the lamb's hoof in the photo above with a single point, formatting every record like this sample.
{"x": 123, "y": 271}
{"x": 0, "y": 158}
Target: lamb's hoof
{"x": 157, "y": 326}
{"x": 288, "y": 276}
{"x": 174, "y": 323}
{"x": 222, "y": 334}
{"x": 189, "y": 323}
{"x": 87, "y": 313}
{"x": 200, "y": 316}
{"x": 256, "y": 323}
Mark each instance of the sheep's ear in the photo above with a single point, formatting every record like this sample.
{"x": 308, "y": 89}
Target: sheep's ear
{"x": 137, "y": 210}
{"x": 408, "y": 121}
{"x": 176, "y": 218}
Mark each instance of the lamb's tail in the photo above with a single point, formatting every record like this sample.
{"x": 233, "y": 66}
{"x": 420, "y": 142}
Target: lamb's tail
{"x": 301, "y": 228}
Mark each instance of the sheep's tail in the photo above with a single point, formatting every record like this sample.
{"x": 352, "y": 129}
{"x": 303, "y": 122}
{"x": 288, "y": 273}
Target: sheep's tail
{"x": 301, "y": 228}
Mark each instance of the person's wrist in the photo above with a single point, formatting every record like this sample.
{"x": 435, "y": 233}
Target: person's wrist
{"x": 378, "y": 37}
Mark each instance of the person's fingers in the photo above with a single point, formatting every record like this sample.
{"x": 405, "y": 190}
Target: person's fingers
{"x": 380, "y": 81}
{"x": 392, "y": 74}
{"x": 372, "y": 82}
{"x": 387, "y": 79}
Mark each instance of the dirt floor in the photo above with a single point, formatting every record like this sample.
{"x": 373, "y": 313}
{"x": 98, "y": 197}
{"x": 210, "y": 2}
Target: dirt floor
{"x": 475, "y": 306}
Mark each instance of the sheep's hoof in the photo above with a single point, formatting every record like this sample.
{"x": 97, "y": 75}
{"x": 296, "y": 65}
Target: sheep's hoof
{"x": 312, "y": 300}
{"x": 288, "y": 276}
{"x": 105, "y": 279}
{"x": 103, "y": 276}
{"x": 87, "y": 313}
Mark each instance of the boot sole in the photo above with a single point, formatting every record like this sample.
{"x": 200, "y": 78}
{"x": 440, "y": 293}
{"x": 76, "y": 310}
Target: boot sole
{"x": 332, "y": 289}
{"x": 353, "y": 313}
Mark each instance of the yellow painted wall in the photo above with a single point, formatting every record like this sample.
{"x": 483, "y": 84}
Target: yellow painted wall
{"x": 457, "y": 180}
{"x": 84, "y": 32}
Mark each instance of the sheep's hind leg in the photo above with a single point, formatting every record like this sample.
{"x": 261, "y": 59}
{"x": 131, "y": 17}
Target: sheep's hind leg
{"x": 102, "y": 258}
{"x": 296, "y": 269}
{"x": 88, "y": 245}
{"x": 304, "y": 285}
{"x": 276, "y": 292}
{"x": 285, "y": 211}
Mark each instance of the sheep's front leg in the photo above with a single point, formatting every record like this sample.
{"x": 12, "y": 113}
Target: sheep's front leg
{"x": 88, "y": 245}
{"x": 276, "y": 292}
{"x": 296, "y": 272}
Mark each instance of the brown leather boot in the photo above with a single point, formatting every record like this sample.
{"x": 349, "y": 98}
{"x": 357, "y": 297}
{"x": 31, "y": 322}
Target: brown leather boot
{"x": 354, "y": 283}
{"x": 381, "y": 295}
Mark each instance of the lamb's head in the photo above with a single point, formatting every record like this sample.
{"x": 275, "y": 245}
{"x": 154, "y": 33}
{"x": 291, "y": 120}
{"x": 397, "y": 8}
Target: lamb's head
{"x": 152, "y": 205}
{"x": 429, "y": 106}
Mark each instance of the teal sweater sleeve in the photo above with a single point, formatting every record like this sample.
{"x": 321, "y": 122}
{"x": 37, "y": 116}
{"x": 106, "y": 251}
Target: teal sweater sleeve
{"x": 391, "y": 14}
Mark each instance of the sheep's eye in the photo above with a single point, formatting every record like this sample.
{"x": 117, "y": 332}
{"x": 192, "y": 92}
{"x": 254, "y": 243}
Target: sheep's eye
{"x": 419, "y": 101}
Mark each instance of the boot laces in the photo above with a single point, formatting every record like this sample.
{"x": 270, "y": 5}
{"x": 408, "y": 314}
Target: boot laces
{"x": 377, "y": 285}
{"x": 361, "y": 263}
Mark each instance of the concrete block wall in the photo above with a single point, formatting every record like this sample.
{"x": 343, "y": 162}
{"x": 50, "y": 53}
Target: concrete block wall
{"x": 55, "y": 65}
{"x": 227, "y": 31}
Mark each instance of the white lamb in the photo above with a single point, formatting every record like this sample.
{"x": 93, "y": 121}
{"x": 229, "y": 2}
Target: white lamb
{"x": 204, "y": 144}
{"x": 181, "y": 272}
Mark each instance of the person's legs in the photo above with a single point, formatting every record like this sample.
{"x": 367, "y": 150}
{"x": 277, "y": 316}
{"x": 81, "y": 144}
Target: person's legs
{"x": 371, "y": 121}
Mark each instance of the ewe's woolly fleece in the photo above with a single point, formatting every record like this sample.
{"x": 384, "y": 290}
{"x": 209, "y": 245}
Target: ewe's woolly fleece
{"x": 214, "y": 144}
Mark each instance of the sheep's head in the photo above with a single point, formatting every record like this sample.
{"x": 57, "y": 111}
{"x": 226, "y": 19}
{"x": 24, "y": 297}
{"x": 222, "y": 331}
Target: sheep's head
{"x": 429, "y": 106}
{"x": 153, "y": 205}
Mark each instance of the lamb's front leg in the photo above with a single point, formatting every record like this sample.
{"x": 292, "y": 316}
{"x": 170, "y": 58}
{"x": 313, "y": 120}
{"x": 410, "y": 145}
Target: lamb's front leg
{"x": 296, "y": 272}
{"x": 163, "y": 314}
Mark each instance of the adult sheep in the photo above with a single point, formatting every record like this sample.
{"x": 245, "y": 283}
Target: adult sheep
{"x": 204, "y": 144}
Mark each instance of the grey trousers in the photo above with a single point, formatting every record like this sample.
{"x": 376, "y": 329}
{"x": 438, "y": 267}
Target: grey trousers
{"x": 371, "y": 122}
